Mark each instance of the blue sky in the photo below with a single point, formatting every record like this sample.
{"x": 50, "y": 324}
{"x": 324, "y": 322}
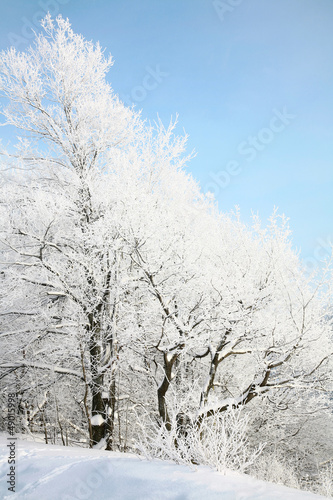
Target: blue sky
{"x": 251, "y": 81}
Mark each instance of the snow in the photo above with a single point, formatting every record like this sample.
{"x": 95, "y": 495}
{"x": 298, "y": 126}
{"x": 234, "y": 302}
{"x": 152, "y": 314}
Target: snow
{"x": 97, "y": 420}
{"x": 47, "y": 472}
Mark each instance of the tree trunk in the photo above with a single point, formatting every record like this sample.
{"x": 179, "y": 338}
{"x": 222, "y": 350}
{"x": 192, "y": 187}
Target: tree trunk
{"x": 103, "y": 399}
{"x": 163, "y": 388}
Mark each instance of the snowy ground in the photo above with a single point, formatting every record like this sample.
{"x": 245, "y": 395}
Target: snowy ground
{"x": 46, "y": 472}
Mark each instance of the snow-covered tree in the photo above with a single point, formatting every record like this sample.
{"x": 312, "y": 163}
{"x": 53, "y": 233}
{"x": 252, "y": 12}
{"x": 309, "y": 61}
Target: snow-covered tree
{"x": 61, "y": 250}
{"x": 72, "y": 190}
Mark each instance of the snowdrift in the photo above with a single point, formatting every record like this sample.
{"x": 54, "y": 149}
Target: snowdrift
{"x": 47, "y": 472}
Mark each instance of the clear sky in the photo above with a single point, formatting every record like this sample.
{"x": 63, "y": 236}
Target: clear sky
{"x": 251, "y": 81}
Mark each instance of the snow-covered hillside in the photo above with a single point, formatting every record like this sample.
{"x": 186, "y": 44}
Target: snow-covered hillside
{"x": 47, "y": 472}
